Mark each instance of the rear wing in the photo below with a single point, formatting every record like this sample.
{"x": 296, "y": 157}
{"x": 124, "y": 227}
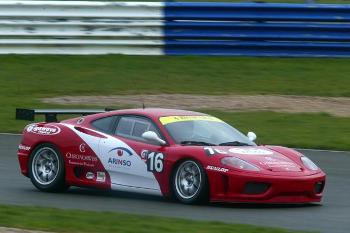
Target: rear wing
{"x": 51, "y": 114}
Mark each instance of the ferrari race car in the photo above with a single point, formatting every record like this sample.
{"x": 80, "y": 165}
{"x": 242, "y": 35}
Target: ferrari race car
{"x": 188, "y": 155}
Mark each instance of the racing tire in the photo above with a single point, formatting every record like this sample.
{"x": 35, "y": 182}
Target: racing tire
{"x": 190, "y": 183}
{"x": 46, "y": 169}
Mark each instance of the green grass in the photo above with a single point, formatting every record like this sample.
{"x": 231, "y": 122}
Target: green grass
{"x": 24, "y": 79}
{"x": 57, "y": 220}
{"x": 28, "y": 77}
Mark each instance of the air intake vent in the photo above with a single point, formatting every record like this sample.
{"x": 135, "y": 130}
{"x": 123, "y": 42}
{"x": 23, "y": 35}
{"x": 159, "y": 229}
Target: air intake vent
{"x": 319, "y": 187}
{"x": 256, "y": 188}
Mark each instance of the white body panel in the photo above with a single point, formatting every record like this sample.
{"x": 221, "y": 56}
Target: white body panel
{"x": 127, "y": 171}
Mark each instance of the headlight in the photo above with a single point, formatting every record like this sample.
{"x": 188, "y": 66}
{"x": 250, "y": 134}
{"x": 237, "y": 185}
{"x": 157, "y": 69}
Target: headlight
{"x": 308, "y": 163}
{"x": 239, "y": 164}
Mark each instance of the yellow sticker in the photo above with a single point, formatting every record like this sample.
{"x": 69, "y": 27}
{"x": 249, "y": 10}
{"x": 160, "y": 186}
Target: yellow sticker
{"x": 172, "y": 119}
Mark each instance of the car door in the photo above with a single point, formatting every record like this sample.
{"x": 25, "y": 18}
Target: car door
{"x": 130, "y": 159}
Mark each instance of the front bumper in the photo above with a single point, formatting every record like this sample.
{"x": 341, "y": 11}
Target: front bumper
{"x": 259, "y": 188}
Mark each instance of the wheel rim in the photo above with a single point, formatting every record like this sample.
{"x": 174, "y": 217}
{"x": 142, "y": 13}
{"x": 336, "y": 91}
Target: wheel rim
{"x": 188, "y": 179}
{"x": 45, "y": 165}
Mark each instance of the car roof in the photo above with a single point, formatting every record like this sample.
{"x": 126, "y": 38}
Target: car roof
{"x": 153, "y": 113}
{"x": 157, "y": 112}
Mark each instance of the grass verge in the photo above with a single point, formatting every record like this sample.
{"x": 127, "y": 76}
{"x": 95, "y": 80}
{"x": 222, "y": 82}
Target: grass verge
{"x": 57, "y": 220}
{"x": 30, "y": 77}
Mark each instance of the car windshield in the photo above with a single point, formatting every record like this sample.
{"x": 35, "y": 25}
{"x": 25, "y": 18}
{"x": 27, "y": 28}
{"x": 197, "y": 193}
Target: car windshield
{"x": 203, "y": 130}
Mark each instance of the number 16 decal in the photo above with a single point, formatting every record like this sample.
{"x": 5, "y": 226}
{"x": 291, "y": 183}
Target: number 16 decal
{"x": 155, "y": 162}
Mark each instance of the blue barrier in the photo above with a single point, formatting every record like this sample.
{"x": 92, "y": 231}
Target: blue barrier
{"x": 257, "y": 29}
{"x": 257, "y": 11}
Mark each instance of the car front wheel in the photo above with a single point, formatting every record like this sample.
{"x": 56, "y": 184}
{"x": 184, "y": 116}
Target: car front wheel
{"x": 190, "y": 182}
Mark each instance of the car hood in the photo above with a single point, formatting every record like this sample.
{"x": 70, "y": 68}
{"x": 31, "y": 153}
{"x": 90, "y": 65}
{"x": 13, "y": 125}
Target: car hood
{"x": 259, "y": 156}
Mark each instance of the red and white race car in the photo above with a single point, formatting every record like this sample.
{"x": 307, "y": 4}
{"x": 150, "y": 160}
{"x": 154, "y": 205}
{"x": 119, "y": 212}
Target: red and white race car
{"x": 188, "y": 155}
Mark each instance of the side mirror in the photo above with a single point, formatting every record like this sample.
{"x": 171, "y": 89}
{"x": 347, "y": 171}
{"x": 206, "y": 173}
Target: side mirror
{"x": 153, "y": 137}
{"x": 252, "y": 136}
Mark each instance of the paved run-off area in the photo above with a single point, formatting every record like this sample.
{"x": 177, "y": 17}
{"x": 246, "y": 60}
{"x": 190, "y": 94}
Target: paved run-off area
{"x": 336, "y": 106}
{"x": 15, "y": 230}
{"x": 332, "y": 216}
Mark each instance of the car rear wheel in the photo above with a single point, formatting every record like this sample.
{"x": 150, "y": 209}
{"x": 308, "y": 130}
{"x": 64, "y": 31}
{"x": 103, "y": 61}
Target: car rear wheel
{"x": 190, "y": 182}
{"x": 46, "y": 169}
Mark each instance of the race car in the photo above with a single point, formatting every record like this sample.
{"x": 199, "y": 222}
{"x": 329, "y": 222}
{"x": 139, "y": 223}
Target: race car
{"x": 191, "y": 156}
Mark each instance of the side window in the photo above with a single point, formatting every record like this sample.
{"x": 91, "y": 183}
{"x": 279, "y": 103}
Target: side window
{"x": 125, "y": 126}
{"x": 139, "y": 128}
{"x": 103, "y": 124}
{"x": 133, "y": 127}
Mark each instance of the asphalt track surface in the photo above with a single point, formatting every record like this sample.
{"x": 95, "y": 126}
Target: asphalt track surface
{"x": 332, "y": 216}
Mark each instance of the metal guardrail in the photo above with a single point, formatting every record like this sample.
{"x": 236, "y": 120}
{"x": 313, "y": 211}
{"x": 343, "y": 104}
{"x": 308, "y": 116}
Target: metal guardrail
{"x": 175, "y": 28}
{"x": 80, "y": 27}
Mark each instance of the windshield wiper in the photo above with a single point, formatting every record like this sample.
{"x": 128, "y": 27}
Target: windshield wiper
{"x": 234, "y": 143}
{"x": 197, "y": 143}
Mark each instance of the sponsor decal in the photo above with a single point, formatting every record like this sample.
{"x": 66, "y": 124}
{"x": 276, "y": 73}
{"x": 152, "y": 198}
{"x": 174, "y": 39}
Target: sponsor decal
{"x": 79, "y": 163}
{"x": 275, "y": 163}
{"x": 43, "y": 130}
{"x": 218, "y": 169}
{"x": 81, "y": 160}
{"x": 90, "y": 175}
{"x": 101, "y": 177}
{"x": 23, "y": 147}
{"x": 250, "y": 151}
{"x": 213, "y": 151}
{"x": 81, "y": 157}
{"x": 282, "y": 164}
{"x": 119, "y": 161}
{"x": 172, "y": 119}
{"x": 144, "y": 154}
{"x": 82, "y": 148}
{"x": 121, "y": 151}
